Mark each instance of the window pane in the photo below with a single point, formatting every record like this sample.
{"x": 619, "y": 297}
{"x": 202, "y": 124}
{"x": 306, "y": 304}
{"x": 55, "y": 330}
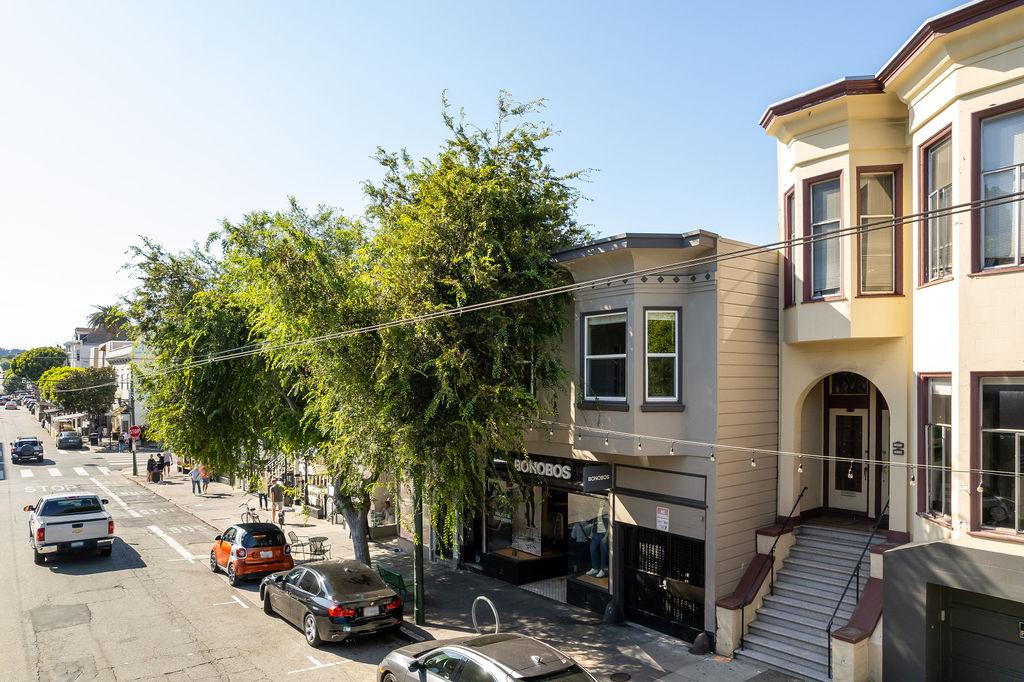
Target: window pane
{"x": 825, "y": 261}
{"x": 940, "y": 246}
{"x": 1002, "y": 405}
{"x": 1002, "y": 141}
{"x": 606, "y": 378}
{"x": 661, "y": 373}
{"x": 997, "y": 221}
{"x": 661, "y": 332}
{"x": 938, "y": 474}
{"x": 876, "y": 259}
{"x": 606, "y": 334}
{"x": 825, "y": 201}
{"x": 997, "y": 499}
{"x": 940, "y": 166}
{"x": 876, "y": 194}
{"x": 940, "y": 410}
{"x": 474, "y": 672}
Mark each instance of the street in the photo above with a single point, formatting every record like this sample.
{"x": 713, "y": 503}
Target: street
{"x": 153, "y": 609}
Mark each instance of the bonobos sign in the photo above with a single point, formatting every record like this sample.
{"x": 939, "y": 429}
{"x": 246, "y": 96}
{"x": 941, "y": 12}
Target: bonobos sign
{"x": 545, "y": 469}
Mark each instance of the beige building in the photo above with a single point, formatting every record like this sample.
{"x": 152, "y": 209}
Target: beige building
{"x": 901, "y": 363}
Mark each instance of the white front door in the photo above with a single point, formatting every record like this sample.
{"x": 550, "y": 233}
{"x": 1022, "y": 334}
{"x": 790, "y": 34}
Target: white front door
{"x": 848, "y": 440}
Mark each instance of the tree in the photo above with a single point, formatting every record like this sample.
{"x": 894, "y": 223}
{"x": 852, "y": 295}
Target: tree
{"x": 51, "y": 378}
{"x": 112, "y": 319}
{"x": 32, "y": 363}
{"x": 89, "y": 390}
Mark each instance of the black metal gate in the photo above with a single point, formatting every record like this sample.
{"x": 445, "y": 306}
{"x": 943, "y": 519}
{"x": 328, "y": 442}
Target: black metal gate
{"x": 663, "y": 577}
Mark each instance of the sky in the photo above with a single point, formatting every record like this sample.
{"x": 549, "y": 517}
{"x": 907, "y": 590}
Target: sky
{"x": 124, "y": 119}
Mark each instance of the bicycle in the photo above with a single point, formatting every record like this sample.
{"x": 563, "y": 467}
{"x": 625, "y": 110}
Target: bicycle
{"x": 250, "y": 515}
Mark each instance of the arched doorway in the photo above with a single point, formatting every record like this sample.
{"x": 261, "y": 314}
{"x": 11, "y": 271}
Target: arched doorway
{"x": 846, "y": 418}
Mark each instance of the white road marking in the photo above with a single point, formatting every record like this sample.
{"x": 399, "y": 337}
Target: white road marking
{"x": 115, "y": 498}
{"x": 174, "y": 544}
{"x": 317, "y": 665}
{"x": 81, "y": 471}
{"x": 234, "y": 600}
{"x": 104, "y": 470}
{"x": 54, "y": 472}
{"x": 25, "y": 473}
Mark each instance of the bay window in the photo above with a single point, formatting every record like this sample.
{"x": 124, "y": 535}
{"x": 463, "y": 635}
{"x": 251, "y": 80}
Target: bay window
{"x": 1002, "y": 168}
{"x": 938, "y": 439}
{"x": 825, "y": 251}
{"x": 875, "y": 204}
{"x": 604, "y": 357}
{"x": 662, "y": 355}
{"x": 938, "y": 232}
{"x": 1002, "y": 448}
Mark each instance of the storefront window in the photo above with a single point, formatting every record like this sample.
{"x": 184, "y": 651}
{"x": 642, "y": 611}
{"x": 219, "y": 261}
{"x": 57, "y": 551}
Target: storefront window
{"x": 589, "y": 525}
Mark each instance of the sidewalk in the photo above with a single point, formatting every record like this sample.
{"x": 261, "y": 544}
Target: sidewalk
{"x": 605, "y": 650}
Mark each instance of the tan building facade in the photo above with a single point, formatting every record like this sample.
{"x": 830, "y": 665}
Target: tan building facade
{"x": 902, "y": 366}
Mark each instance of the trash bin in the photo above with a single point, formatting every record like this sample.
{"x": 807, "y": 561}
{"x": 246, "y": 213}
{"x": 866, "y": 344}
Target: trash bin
{"x": 156, "y": 476}
{"x": 94, "y": 438}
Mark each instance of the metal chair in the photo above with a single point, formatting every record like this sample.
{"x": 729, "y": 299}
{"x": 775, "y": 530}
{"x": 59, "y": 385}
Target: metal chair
{"x": 319, "y": 549}
{"x": 298, "y": 543}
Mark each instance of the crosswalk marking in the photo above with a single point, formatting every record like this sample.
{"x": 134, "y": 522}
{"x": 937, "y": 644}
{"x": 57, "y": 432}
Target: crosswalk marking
{"x": 81, "y": 471}
{"x": 104, "y": 470}
{"x": 54, "y": 472}
{"x": 25, "y": 473}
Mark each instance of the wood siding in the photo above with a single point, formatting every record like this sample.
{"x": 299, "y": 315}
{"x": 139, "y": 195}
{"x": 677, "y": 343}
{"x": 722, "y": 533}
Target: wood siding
{"x": 747, "y": 410}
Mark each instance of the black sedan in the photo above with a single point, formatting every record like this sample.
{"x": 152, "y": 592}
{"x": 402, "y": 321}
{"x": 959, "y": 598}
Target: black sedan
{"x": 69, "y": 440}
{"x": 332, "y": 600}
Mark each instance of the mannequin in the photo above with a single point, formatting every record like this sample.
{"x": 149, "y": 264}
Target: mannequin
{"x": 599, "y": 543}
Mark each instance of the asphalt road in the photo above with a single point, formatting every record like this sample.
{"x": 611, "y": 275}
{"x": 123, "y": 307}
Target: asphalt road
{"x": 153, "y": 610}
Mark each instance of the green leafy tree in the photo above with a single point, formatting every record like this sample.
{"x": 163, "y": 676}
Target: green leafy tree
{"x": 13, "y": 384}
{"x": 89, "y": 390}
{"x": 32, "y": 363}
{"x": 50, "y": 379}
{"x": 112, "y": 319}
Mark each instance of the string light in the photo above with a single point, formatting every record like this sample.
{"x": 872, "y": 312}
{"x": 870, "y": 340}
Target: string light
{"x": 639, "y": 445}
{"x": 606, "y": 441}
{"x": 551, "y": 432}
{"x": 980, "y": 487}
{"x": 753, "y": 462}
{"x": 913, "y": 480}
{"x": 672, "y": 450}
{"x": 712, "y": 454}
{"x": 849, "y": 474}
{"x": 800, "y": 469}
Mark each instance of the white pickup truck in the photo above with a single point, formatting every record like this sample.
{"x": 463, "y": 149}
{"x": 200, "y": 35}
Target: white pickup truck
{"x": 69, "y": 522}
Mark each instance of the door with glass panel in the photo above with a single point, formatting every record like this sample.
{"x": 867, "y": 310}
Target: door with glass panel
{"x": 848, "y": 448}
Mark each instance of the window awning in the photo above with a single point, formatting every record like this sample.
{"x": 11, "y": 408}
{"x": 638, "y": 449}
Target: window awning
{"x": 69, "y": 417}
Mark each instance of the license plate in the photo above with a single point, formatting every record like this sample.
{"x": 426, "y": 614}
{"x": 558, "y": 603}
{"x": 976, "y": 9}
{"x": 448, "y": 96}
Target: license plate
{"x": 266, "y": 555}
{"x": 78, "y": 544}
{"x": 76, "y": 531}
{"x": 371, "y": 610}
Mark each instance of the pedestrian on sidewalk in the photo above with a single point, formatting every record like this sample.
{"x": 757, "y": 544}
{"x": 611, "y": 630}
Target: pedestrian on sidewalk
{"x": 276, "y": 499}
{"x": 205, "y": 476}
{"x": 197, "y": 483}
{"x": 167, "y": 463}
{"x": 158, "y": 470}
{"x": 150, "y": 465}
{"x": 264, "y": 492}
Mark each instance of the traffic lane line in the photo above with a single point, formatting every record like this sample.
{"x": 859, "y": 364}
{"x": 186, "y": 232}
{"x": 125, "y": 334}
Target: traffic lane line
{"x": 55, "y": 472}
{"x": 173, "y": 544}
{"x": 27, "y": 473}
{"x": 81, "y": 471}
{"x": 115, "y": 498}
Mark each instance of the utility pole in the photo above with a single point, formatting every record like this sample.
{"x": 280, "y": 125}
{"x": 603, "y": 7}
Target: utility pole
{"x": 131, "y": 421}
{"x": 417, "y": 554}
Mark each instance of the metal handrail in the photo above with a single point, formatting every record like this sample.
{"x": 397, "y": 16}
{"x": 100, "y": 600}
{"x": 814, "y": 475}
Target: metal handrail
{"x": 853, "y": 574}
{"x": 771, "y": 558}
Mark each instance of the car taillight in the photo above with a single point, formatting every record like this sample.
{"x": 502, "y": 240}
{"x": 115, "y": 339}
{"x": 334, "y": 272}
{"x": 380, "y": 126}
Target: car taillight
{"x": 40, "y": 534}
{"x": 395, "y": 603}
{"x": 339, "y": 611}
{"x": 110, "y": 527}
{"x": 240, "y": 553}
{"x": 287, "y": 550}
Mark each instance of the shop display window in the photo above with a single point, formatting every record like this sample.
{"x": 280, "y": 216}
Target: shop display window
{"x": 589, "y": 533}
{"x": 498, "y": 516}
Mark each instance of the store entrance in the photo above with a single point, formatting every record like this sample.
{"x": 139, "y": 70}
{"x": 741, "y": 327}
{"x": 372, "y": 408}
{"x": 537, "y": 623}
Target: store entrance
{"x": 663, "y": 580}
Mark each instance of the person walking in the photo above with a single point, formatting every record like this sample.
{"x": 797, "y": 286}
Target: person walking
{"x": 197, "y": 483}
{"x": 276, "y": 500}
{"x": 167, "y": 463}
{"x": 264, "y": 493}
{"x": 205, "y": 476}
{"x": 150, "y": 465}
{"x": 158, "y": 468}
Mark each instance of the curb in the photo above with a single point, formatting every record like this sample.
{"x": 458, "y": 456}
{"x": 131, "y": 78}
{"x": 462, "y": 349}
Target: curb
{"x": 191, "y": 513}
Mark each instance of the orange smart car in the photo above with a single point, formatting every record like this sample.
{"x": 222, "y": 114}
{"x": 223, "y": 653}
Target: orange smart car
{"x": 250, "y": 550}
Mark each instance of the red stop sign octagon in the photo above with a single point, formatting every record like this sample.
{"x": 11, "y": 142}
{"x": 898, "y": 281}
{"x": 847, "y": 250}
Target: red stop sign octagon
{"x": 135, "y": 431}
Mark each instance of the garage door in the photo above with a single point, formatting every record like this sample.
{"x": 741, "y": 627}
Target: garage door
{"x": 983, "y": 638}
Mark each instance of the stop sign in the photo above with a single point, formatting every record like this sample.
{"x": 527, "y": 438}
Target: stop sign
{"x": 135, "y": 431}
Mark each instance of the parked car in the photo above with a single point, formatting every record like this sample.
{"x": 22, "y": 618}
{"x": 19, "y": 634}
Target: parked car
{"x": 250, "y": 550}
{"x": 68, "y": 523}
{"x": 332, "y": 600}
{"x": 11, "y": 405}
{"x": 69, "y": 440}
{"x": 484, "y": 658}
{"x": 26, "y": 447}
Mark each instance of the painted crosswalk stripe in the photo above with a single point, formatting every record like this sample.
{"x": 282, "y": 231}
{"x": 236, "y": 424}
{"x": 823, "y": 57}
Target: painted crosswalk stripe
{"x": 104, "y": 470}
{"x": 54, "y": 472}
{"x": 174, "y": 544}
{"x": 81, "y": 471}
{"x": 25, "y": 473}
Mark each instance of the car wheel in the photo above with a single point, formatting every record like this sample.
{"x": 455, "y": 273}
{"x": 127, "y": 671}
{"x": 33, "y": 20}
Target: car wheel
{"x": 388, "y": 677}
{"x": 233, "y": 578}
{"x": 309, "y": 629}
{"x": 38, "y": 558}
{"x": 213, "y": 563}
{"x": 267, "y": 608}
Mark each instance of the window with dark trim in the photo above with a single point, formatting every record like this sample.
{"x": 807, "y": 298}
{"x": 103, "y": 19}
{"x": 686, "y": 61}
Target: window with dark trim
{"x": 938, "y": 397}
{"x": 604, "y": 356}
{"x": 1001, "y": 435}
{"x": 1001, "y": 173}
{"x": 937, "y": 237}
{"x": 876, "y": 204}
{"x": 789, "y": 229}
{"x": 661, "y": 355}
{"x": 825, "y": 251}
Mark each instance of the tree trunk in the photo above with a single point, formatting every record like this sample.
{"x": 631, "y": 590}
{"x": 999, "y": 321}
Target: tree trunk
{"x": 356, "y": 509}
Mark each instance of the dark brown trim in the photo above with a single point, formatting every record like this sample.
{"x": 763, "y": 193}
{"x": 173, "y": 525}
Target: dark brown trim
{"x": 897, "y": 237}
{"x": 922, "y": 437}
{"x": 1008, "y": 535}
{"x": 598, "y": 403}
{"x": 934, "y": 282}
{"x": 946, "y": 133}
{"x": 826, "y": 434}
{"x": 943, "y": 521}
{"x": 975, "y": 451}
{"x": 880, "y": 406}
{"x": 664, "y": 405}
{"x": 865, "y": 615}
{"x": 899, "y": 537}
{"x": 748, "y": 585}
{"x": 806, "y": 228}
{"x": 603, "y": 406}
{"x": 788, "y": 230}
{"x": 850, "y": 85}
{"x": 977, "y": 118}
{"x": 989, "y": 272}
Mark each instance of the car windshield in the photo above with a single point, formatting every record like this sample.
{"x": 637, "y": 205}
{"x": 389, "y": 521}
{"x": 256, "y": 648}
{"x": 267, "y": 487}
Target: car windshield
{"x": 342, "y": 582}
{"x": 19, "y": 443}
{"x": 263, "y": 538}
{"x": 573, "y": 674}
{"x": 74, "y": 505}
{"x": 65, "y": 434}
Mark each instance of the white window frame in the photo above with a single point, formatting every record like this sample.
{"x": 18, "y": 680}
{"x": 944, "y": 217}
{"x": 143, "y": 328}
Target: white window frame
{"x": 587, "y": 357}
{"x": 933, "y": 270}
{"x": 674, "y": 398}
{"x": 1018, "y": 440}
{"x": 815, "y": 242}
{"x": 872, "y": 218}
{"x": 1018, "y": 183}
{"x": 946, "y": 434}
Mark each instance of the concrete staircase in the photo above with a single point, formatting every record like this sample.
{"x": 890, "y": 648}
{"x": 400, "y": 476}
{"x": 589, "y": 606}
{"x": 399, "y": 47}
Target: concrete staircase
{"x": 788, "y": 631}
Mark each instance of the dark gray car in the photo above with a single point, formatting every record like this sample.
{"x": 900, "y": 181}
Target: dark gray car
{"x": 332, "y": 600}
{"x": 487, "y": 658}
{"x": 69, "y": 440}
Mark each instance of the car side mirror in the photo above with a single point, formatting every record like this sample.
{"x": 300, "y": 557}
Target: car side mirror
{"x": 29, "y": 507}
{"x": 278, "y": 578}
{"x": 217, "y": 539}
{"x": 415, "y": 666}
{"x": 104, "y": 501}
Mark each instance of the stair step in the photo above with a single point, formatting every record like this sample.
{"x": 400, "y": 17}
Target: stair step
{"x": 854, "y": 537}
{"x": 792, "y": 635}
{"x": 796, "y": 654}
{"x": 831, "y": 546}
{"x": 802, "y": 591}
{"x": 782, "y": 665}
{"x": 799, "y": 606}
{"x": 808, "y": 619}
{"x": 819, "y": 566}
{"x": 845, "y": 561}
{"x": 784, "y": 619}
{"x": 835, "y": 580}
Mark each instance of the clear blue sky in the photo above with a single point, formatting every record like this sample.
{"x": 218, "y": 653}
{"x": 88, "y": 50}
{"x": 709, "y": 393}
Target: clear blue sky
{"x": 125, "y": 118}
